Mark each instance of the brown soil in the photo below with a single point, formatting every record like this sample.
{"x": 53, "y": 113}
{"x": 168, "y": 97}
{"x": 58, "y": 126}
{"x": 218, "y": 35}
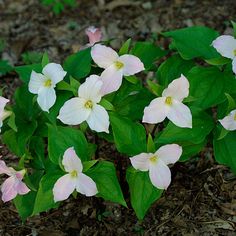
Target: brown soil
{"x": 201, "y": 198}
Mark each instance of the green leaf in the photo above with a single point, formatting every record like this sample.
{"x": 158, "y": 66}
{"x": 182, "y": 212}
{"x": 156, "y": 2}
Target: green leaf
{"x": 104, "y": 174}
{"x": 106, "y": 104}
{"x": 78, "y": 65}
{"x": 193, "y": 42}
{"x": 150, "y": 144}
{"x": 125, "y": 47}
{"x": 148, "y": 53}
{"x": 44, "y": 198}
{"x": 172, "y": 69}
{"x": 218, "y": 61}
{"x": 88, "y": 164}
{"x": 45, "y": 59}
{"x": 234, "y": 27}
{"x": 4, "y": 67}
{"x": 202, "y": 126}
{"x": 61, "y": 138}
{"x": 207, "y": 86}
{"x": 143, "y": 194}
{"x": 12, "y": 123}
{"x": 130, "y": 137}
{"x": 225, "y": 150}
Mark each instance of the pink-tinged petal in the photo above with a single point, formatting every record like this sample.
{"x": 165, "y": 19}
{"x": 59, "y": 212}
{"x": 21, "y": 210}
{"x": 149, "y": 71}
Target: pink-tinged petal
{"x": 112, "y": 80}
{"x": 99, "y": 119}
{"x": 103, "y": 56}
{"x": 160, "y": 175}
{"x": 91, "y": 89}
{"x": 169, "y": 153}
{"x": 180, "y": 115}
{"x": 73, "y": 112}
{"x": 21, "y": 188}
{"x": 132, "y": 64}
{"x": 46, "y": 98}
{"x": 71, "y": 161}
{"x": 177, "y": 89}
{"x": 86, "y": 185}
{"x": 4, "y": 169}
{"x": 64, "y": 187}
{"x": 156, "y": 111}
{"x": 8, "y": 189}
{"x": 55, "y": 72}
{"x": 94, "y": 35}
{"x": 36, "y": 82}
{"x": 229, "y": 122}
{"x": 234, "y": 65}
{"x": 225, "y": 45}
{"x": 141, "y": 161}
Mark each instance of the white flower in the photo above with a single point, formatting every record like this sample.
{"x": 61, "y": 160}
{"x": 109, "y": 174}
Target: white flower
{"x": 74, "y": 179}
{"x": 44, "y": 84}
{"x": 85, "y": 107}
{"x": 170, "y": 105}
{"x": 229, "y": 122}
{"x": 3, "y": 113}
{"x": 156, "y": 163}
{"x": 226, "y": 46}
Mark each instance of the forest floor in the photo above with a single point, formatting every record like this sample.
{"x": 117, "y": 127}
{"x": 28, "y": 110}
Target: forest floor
{"x": 202, "y": 197}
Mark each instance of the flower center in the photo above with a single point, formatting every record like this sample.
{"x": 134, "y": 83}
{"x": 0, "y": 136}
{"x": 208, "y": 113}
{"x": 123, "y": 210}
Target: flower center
{"x": 153, "y": 159}
{"x": 119, "y": 65}
{"x": 48, "y": 83}
{"x": 88, "y": 104}
{"x": 74, "y": 174}
{"x": 234, "y": 52}
{"x": 168, "y": 101}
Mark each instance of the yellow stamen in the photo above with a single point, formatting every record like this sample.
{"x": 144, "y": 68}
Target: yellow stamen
{"x": 153, "y": 159}
{"x": 234, "y": 52}
{"x": 168, "y": 101}
{"x": 119, "y": 65}
{"x": 74, "y": 174}
{"x": 48, "y": 83}
{"x": 89, "y": 104}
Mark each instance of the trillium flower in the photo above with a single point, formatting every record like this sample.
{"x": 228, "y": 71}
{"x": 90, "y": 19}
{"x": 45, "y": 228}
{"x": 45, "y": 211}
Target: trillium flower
{"x": 12, "y": 185}
{"x": 170, "y": 105}
{"x": 156, "y": 163}
{"x": 74, "y": 179}
{"x": 85, "y": 107}
{"x": 44, "y": 84}
{"x": 115, "y": 66}
{"x": 94, "y": 34}
{"x": 229, "y": 122}
{"x": 226, "y": 46}
{"x": 3, "y": 113}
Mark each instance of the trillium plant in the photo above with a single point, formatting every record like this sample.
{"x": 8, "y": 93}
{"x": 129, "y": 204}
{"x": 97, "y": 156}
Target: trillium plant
{"x": 155, "y": 106}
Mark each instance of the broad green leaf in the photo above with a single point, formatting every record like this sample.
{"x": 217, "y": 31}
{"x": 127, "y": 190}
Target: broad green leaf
{"x": 104, "y": 174}
{"x": 45, "y": 60}
{"x": 150, "y": 144}
{"x": 78, "y": 65}
{"x": 172, "y": 69}
{"x": 225, "y": 150}
{"x": 193, "y": 42}
{"x": 4, "y": 67}
{"x": 61, "y": 138}
{"x": 148, "y": 53}
{"x": 143, "y": 194}
{"x": 125, "y": 47}
{"x": 129, "y": 136}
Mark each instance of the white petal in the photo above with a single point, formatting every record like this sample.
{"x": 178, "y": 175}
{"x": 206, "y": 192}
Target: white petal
{"x": 3, "y": 102}
{"x": 99, "y": 119}
{"x": 132, "y": 64}
{"x": 73, "y": 112}
{"x": 36, "y": 82}
{"x": 160, "y": 175}
{"x": 103, "y": 56}
{"x": 64, "y": 187}
{"x": 71, "y": 161}
{"x": 177, "y": 89}
{"x": 141, "y": 161}
{"x": 229, "y": 123}
{"x": 91, "y": 89}
{"x": 46, "y": 98}
{"x": 112, "y": 79}
{"x": 8, "y": 189}
{"x": 169, "y": 153}
{"x": 180, "y": 115}
{"x": 156, "y": 111}
{"x": 86, "y": 185}
{"x": 54, "y": 72}
{"x": 234, "y": 65}
{"x": 225, "y": 45}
